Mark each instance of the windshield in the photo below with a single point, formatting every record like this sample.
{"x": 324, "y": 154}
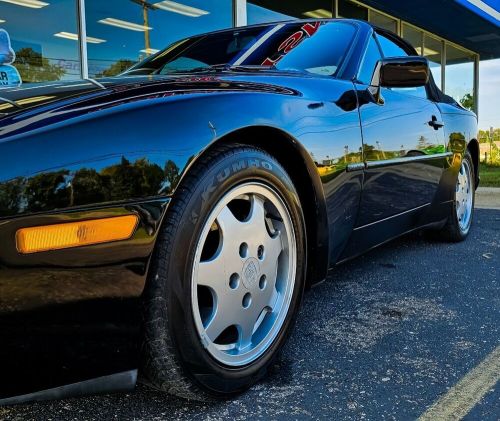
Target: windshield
{"x": 313, "y": 47}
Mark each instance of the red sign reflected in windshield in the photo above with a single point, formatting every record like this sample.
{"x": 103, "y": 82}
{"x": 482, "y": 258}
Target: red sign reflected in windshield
{"x": 306, "y": 31}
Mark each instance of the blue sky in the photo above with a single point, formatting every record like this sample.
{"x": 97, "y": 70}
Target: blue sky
{"x": 489, "y": 94}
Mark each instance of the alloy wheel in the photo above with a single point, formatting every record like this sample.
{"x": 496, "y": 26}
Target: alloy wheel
{"x": 243, "y": 274}
{"x": 464, "y": 195}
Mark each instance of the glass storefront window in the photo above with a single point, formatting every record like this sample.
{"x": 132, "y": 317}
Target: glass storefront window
{"x": 459, "y": 75}
{"x": 433, "y": 52}
{"x": 130, "y": 31}
{"x": 260, "y": 14}
{"x": 44, "y": 39}
{"x": 347, "y": 9}
{"x": 414, "y": 36}
{"x": 261, "y": 11}
{"x": 383, "y": 21}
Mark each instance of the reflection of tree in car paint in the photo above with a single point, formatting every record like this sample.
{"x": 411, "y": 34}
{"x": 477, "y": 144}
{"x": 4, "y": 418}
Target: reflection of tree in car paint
{"x": 85, "y": 186}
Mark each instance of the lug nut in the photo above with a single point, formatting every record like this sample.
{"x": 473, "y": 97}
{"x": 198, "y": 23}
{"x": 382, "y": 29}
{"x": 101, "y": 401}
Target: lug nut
{"x": 243, "y": 250}
{"x": 234, "y": 281}
{"x": 260, "y": 252}
{"x": 247, "y": 299}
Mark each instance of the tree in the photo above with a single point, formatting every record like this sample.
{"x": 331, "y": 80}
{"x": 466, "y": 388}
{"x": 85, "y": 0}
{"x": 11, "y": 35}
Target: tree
{"x": 33, "y": 67}
{"x": 89, "y": 187}
{"x": 151, "y": 176}
{"x": 422, "y": 142}
{"x": 47, "y": 190}
{"x": 116, "y": 68}
{"x": 171, "y": 174}
{"x": 467, "y": 101}
{"x": 11, "y": 195}
{"x": 128, "y": 180}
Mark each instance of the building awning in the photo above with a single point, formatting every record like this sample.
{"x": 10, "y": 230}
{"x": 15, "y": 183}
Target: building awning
{"x": 474, "y": 24}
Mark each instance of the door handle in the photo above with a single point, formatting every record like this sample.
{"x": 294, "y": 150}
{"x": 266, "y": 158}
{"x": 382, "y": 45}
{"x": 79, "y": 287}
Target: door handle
{"x": 435, "y": 123}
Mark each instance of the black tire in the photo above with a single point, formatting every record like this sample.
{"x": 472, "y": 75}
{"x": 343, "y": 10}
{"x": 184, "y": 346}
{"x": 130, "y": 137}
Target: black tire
{"x": 453, "y": 231}
{"x": 173, "y": 358}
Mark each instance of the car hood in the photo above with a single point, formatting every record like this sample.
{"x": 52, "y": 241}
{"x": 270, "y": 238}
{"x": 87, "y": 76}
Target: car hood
{"x": 36, "y": 94}
{"x": 56, "y": 94}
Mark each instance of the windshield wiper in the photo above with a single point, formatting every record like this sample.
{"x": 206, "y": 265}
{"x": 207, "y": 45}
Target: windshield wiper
{"x": 208, "y": 68}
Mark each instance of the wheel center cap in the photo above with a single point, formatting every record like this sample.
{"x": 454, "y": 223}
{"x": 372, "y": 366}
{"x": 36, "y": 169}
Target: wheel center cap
{"x": 250, "y": 273}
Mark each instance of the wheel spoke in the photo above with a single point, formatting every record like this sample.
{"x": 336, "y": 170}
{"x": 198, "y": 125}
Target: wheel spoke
{"x": 227, "y": 222}
{"x": 245, "y": 329}
{"x": 266, "y": 299}
{"x": 257, "y": 213}
{"x": 211, "y": 273}
{"x": 274, "y": 247}
{"x": 217, "y": 324}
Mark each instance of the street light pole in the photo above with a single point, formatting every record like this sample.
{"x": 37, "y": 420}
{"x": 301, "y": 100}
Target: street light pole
{"x": 145, "y": 7}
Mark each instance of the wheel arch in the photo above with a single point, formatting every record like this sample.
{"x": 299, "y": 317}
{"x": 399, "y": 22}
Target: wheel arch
{"x": 473, "y": 148}
{"x": 299, "y": 165}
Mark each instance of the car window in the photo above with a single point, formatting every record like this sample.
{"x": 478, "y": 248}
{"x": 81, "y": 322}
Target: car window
{"x": 391, "y": 49}
{"x": 372, "y": 55}
{"x": 321, "y": 53}
{"x": 312, "y": 47}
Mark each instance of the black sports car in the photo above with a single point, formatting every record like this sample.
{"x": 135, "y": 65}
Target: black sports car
{"x": 164, "y": 223}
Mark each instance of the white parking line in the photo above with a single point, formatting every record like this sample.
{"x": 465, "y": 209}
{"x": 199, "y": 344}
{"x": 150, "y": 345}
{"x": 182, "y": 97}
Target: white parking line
{"x": 462, "y": 397}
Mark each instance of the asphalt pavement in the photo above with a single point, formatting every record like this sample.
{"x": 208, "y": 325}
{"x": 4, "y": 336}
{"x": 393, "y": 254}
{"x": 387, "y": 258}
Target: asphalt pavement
{"x": 384, "y": 337}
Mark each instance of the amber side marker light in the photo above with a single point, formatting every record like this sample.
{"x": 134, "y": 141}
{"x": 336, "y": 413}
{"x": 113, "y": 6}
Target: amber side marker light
{"x": 75, "y": 234}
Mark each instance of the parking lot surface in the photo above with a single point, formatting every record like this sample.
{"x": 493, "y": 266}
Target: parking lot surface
{"x": 384, "y": 337}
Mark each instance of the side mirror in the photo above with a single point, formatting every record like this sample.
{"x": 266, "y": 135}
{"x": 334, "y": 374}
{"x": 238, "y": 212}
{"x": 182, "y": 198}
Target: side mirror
{"x": 399, "y": 72}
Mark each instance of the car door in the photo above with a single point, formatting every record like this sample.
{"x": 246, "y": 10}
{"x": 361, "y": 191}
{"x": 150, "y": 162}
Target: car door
{"x": 403, "y": 143}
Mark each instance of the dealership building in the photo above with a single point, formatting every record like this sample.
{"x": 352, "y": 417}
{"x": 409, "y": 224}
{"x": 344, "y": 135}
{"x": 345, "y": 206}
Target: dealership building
{"x": 70, "y": 39}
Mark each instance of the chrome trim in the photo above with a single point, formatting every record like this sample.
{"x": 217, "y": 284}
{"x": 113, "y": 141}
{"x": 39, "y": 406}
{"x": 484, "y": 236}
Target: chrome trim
{"x": 95, "y": 82}
{"x": 405, "y": 160}
{"x": 8, "y": 101}
{"x": 357, "y": 166}
{"x": 393, "y": 216}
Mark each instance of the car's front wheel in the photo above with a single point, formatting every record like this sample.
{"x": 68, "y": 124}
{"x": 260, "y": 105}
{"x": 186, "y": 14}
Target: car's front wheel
{"x": 226, "y": 278}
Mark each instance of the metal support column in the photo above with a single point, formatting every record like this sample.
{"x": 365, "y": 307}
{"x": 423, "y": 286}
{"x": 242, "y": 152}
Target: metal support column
{"x": 239, "y": 12}
{"x": 476, "y": 84}
{"x": 82, "y": 39}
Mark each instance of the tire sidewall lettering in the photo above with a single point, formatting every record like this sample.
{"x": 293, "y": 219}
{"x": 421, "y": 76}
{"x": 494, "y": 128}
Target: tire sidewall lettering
{"x": 223, "y": 174}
